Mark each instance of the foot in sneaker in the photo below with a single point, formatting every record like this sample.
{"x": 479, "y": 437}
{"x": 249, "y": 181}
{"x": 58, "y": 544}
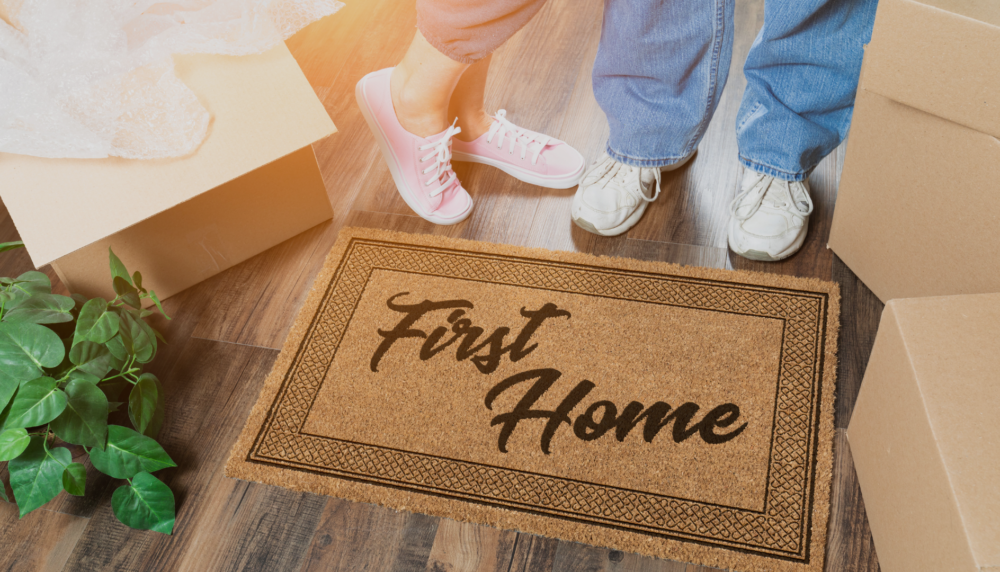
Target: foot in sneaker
{"x": 769, "y": 218}
{"x": 613, "y": 195}
{"x": 525, "y": 155}
{"x": 420, "y": 166}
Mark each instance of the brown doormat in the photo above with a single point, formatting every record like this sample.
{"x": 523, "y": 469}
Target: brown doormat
{"x": 683, "y": 413}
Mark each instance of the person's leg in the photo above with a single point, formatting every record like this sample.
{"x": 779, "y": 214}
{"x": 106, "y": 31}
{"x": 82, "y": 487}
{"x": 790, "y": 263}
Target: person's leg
{"x": 408, "y": 109}
{"x": 454, "y": 38}
{"x": 468, "y": 101}
{"x": 422, "y": 85}
{"x": 659, "y": 73}
{"x": 802, "y": 74}
{"x": 492, "y": 140}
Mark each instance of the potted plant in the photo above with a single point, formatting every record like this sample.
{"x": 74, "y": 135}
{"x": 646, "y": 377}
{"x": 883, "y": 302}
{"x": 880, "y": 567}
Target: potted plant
{"x": 66, "y": 364}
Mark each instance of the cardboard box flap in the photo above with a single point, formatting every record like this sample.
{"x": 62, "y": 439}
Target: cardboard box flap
{"x": 939, "y": 56}
{"x": 954, "y": 348}
{"x": 262, "y": 108}
{"x": 918, "y": 209}
{"x": 983, "y": 10}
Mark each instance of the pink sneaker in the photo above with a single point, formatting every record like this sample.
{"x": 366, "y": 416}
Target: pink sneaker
{"x": 420, "y": 167}
{"x": 525, "y": 155}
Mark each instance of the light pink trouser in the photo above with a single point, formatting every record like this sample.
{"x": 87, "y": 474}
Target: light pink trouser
{"x": 469, "y": 30}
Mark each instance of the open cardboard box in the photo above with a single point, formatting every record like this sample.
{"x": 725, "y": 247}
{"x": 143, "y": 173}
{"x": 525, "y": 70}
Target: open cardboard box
{"x": 253, "y": 183}
{"x": 918, "y": 209}
{"x": 925, "y": 435}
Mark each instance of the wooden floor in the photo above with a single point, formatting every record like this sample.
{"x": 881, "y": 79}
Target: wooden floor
{"x": 227, "y": 330}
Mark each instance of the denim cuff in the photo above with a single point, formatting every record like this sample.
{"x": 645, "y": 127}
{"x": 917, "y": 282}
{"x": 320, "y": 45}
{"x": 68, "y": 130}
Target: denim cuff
{"x": 636, "y": 162}
{"x": 776, "y": 173}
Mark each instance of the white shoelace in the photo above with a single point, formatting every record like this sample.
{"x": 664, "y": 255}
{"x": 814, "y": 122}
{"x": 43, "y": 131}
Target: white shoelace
{"x": 761, "y": 188}
{"x": 441, "y": 153}
{"x": 621, "y": 172}
{"x": 528, "y": 140}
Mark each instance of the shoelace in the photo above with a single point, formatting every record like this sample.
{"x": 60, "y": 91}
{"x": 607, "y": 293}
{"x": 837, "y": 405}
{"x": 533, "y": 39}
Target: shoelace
{"x": 761, "y": 188}
{"x": 527, "y": 139}
{"x": 441, "y": 152}
{"x": 623, "y": 172}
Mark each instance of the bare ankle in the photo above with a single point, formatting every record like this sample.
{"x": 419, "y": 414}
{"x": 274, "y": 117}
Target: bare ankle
{"x": 414, "y": 113}
{"x": 474, "y": 124}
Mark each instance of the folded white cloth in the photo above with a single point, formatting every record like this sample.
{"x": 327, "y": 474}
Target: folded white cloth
{"x": 95, "y": 78}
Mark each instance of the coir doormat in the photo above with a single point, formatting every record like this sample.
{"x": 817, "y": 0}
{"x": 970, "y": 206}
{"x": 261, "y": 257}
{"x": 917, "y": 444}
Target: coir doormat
{"x": 678, "y": 412}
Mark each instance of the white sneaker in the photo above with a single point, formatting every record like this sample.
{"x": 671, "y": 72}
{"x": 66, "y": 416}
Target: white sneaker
{"x": 769, "y": 217}
{"x": 612, "y": 196}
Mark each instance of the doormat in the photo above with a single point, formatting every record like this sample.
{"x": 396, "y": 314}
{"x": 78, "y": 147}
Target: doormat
{"x": 678, "y": 412}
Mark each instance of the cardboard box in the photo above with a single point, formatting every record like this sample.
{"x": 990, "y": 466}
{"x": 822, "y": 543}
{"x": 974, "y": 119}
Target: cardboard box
{"x": 918, "y": 209}
{"x": 925, "y": 435}
{"x": 253, "y": 183}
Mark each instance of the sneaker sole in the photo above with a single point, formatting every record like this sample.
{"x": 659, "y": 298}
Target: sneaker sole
{"x": 565, "y": 182}
{"x": 762, "y": 256}
{"x": 628, "y": 223}
{"x": 390, "y": 158}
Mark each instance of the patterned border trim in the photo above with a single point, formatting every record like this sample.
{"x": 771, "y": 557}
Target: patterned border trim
{"x": 781, "y": 530}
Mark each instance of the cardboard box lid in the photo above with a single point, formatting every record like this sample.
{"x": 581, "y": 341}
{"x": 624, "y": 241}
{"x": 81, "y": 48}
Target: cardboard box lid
{"x": 953, "y": 344}
{"x": 939, "y": 56}
{"x": 918, "y": 209}
{"x": 262, "y": 108}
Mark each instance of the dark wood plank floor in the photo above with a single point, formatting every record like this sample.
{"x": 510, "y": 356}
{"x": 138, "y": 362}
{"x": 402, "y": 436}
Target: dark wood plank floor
{"x": 228, "y": 329}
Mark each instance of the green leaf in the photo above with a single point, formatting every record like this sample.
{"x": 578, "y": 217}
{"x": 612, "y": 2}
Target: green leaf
{"x": 80, "y": 300}
{"x": 129, "y": 453}
{"x": 95, "y": 324}
{"x": 36, "y": 476}
{"x": 152, "y": 296}
{"x": 126, "y": 291}
{"x": 3, "y": 493}
{"x": 5, "y": 246}
{"x": 13, "y": 442}
{"x": 137, "y": 281}
{"x": 113, "y": 389}
{"x": 142, "y": 402}
{"x": 42, "y": 309}
{"x": 8, "y": 385}
{"x": 74, "y": 479}
{"x": 146, "y": 505}
{"x": 26, "y": 348}
{"x": 4, "y": 413}
{"x": 85, "y": 419}
{"x": 29, "y": 284}
{"x": 118, "y": 269}
{"x": 125, "y": 332}
{"x": 115, "y": 406}
{"x": 156, "y": 423}
{"x": 37, "y": 402}
{"x": 117, "y": 347}
{"x": 143, "y": 338}
{"x": 144, "y": 342}
{"x": 91, "y": 357}
{"x": 83, "y": 376}
{"x": 116, "y": 364}
{"x": 122, "y": 285}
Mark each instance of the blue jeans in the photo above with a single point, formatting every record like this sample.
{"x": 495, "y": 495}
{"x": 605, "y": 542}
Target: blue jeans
{"x": 662, "y": 64}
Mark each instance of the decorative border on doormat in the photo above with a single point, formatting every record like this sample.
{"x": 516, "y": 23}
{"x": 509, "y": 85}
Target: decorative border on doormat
{"x": 789, "y": 533}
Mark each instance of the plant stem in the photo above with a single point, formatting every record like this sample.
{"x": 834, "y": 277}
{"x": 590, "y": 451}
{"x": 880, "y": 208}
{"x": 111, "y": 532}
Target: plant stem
{"x": 124, "y": 372}
{"x": 66, "y": 376}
